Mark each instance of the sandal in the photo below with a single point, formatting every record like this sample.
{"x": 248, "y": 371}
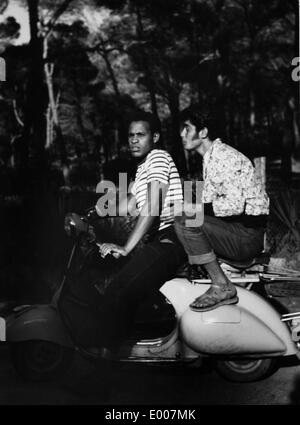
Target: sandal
{"x": 214, "y": 297}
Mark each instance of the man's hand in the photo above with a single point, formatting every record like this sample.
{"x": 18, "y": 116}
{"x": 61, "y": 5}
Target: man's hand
{"x": 73, "y": 219}
{"x": 110, "y": 248}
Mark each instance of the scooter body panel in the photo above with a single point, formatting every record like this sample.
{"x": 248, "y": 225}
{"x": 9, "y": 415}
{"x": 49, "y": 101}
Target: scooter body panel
{"x": 229, "y": 330}
{"x": 251, "y": 327}
{"x": 37, "y": 322}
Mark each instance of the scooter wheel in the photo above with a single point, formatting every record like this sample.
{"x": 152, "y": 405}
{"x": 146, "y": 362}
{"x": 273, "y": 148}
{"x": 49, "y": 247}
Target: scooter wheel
{"x": 246, "y": 370}
{"x": 40, "y": 360}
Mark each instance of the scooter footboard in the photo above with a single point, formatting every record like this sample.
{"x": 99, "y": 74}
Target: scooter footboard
{"x": 36, "y": 322}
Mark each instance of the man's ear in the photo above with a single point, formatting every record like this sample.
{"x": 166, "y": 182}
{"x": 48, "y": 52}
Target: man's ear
{"x": 156, "y": 137}
{"x": 203, "y": 133}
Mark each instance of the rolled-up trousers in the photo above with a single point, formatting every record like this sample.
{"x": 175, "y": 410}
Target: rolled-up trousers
{"x": 219, "y": 238}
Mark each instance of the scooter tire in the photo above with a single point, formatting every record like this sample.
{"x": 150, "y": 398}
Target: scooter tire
{"x": 246, "y": 370}
{"x": 40, "y": 361}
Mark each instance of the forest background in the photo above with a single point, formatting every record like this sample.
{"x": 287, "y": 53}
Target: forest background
{"x": 75, "y": 68}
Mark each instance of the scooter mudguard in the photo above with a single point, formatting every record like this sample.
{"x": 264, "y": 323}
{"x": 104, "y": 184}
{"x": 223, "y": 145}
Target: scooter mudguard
{"x": 36, "y": 322}
{"x": 252, "y": 327}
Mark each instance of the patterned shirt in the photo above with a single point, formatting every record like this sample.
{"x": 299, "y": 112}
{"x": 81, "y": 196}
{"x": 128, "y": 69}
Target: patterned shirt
{"x": 230, "y": 183}
{"x": 159, "y": 166}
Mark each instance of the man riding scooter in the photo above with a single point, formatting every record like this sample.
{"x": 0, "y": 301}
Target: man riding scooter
{"x": 244, "y": 341}
{"x": 155, "y": 193}
{"x": 236, "y": 207}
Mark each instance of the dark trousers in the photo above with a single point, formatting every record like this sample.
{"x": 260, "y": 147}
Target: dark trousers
{"x": 149, "y": 268}
{"x": 217, "y": 237}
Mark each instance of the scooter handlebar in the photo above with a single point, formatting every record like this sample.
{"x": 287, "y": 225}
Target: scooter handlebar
{"x": 111, "y": 252}
{"x": 78, "y": 225}
{"x": 90, "y": 215}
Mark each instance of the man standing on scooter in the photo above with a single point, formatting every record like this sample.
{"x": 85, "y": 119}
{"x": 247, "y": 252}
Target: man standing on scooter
{"x": 156, "y": 192}
{"x": 236, "y": 207}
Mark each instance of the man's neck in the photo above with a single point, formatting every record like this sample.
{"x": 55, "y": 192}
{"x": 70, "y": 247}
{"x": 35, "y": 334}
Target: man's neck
{"x": 204, "y": 147}
{"x": 140, "y": 161}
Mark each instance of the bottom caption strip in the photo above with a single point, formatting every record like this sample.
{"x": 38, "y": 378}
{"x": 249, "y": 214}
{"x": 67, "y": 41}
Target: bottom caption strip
{"x": 150, "y": 414}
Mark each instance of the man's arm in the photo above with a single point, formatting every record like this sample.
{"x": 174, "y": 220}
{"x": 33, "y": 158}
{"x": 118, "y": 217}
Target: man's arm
{"x": 115, "y": 204}
{"x": 156, "y": 192}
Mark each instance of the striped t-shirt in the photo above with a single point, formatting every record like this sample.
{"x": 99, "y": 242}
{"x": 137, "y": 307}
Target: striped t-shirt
{"x": 159, "y": 166}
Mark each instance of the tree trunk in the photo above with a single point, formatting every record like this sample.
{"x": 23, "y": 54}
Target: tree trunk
{"x": 177, "y": 149}
{"x": 49, "y": 135}
{"x": 53, "y": 114}
{"x": 80, "y": 120}
{"x": 259, "y": 162}
{"x": 287, "y": 146}
{"x": 111, "y": 72}
{"x": 296, "y": 85}
{"x": 34, "y": 122}
{"x": 148, "y": 75}
{"x": 252, "y": 117}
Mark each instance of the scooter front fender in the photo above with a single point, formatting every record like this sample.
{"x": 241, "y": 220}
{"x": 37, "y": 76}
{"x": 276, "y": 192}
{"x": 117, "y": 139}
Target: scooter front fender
{"x": 37, "y": 322}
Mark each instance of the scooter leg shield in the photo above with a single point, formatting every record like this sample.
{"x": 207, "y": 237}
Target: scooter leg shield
{"x": 37, "y": 322}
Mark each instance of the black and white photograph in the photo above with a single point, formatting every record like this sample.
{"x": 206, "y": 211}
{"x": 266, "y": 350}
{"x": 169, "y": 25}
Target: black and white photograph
{"x": 149, "y": 205}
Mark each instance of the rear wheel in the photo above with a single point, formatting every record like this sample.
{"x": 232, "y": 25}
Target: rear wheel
{"x": 40, "y": 360}
{"x": 246, "y": 370}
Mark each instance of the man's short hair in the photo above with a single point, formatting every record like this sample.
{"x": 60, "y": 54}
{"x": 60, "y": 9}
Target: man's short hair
{"x": 148, "y": 117}
{"x": 201, "y": 117}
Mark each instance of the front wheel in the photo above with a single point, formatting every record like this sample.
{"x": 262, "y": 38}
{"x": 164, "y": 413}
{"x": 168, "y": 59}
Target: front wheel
{"x": 40, "y": 360}
{"x": 246, "y": 370}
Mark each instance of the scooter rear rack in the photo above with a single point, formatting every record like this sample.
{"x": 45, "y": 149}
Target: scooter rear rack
{"x": 290, "y": 316}
{"x": 294, "y": 324}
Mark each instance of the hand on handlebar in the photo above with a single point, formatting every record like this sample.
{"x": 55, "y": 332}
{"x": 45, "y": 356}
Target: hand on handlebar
{"x": 111, "y": 248}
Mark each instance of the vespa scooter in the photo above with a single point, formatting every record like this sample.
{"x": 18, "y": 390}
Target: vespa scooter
{"x": 245, "y": 341}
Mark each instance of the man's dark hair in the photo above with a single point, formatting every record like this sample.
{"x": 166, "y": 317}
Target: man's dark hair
{"x": 201, "y": 117}
{"x": 151, "y": 119}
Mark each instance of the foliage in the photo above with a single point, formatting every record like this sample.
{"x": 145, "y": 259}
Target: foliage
{"x": 286, "y": 208}
{"x": 108, "y": 57}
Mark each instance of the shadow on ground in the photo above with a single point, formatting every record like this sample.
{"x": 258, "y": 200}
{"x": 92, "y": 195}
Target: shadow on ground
{"x": 295, "y": 394}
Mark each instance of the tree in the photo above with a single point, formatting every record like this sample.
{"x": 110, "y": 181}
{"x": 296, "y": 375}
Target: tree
{"x": 101, "y": 58}
{"x": 37, "y": 96}
{"x": 34, "y": 117}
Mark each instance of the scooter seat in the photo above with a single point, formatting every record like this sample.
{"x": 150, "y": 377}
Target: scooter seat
{"x": 262, "y": 259}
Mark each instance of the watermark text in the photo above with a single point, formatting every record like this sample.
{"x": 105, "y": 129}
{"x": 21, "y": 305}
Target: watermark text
{"x": 296, "y": 71}
{"x": 2, "y": 69}
{"x": 116, "y": 201}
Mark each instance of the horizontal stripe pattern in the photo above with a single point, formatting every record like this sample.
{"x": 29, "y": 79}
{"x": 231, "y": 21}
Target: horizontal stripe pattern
{"x": 159, "y": 166}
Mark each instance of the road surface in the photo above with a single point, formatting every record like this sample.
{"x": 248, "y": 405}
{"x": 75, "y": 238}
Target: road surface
{"x": 154, "y": 385}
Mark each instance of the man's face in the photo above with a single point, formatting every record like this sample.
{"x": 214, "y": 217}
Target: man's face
{"x": 141, "y": 141}
{"x": 190, "y": 137}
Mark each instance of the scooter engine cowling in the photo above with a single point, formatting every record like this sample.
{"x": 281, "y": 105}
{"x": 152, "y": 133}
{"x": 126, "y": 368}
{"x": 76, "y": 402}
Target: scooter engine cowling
{"x": 229, "y": 330}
